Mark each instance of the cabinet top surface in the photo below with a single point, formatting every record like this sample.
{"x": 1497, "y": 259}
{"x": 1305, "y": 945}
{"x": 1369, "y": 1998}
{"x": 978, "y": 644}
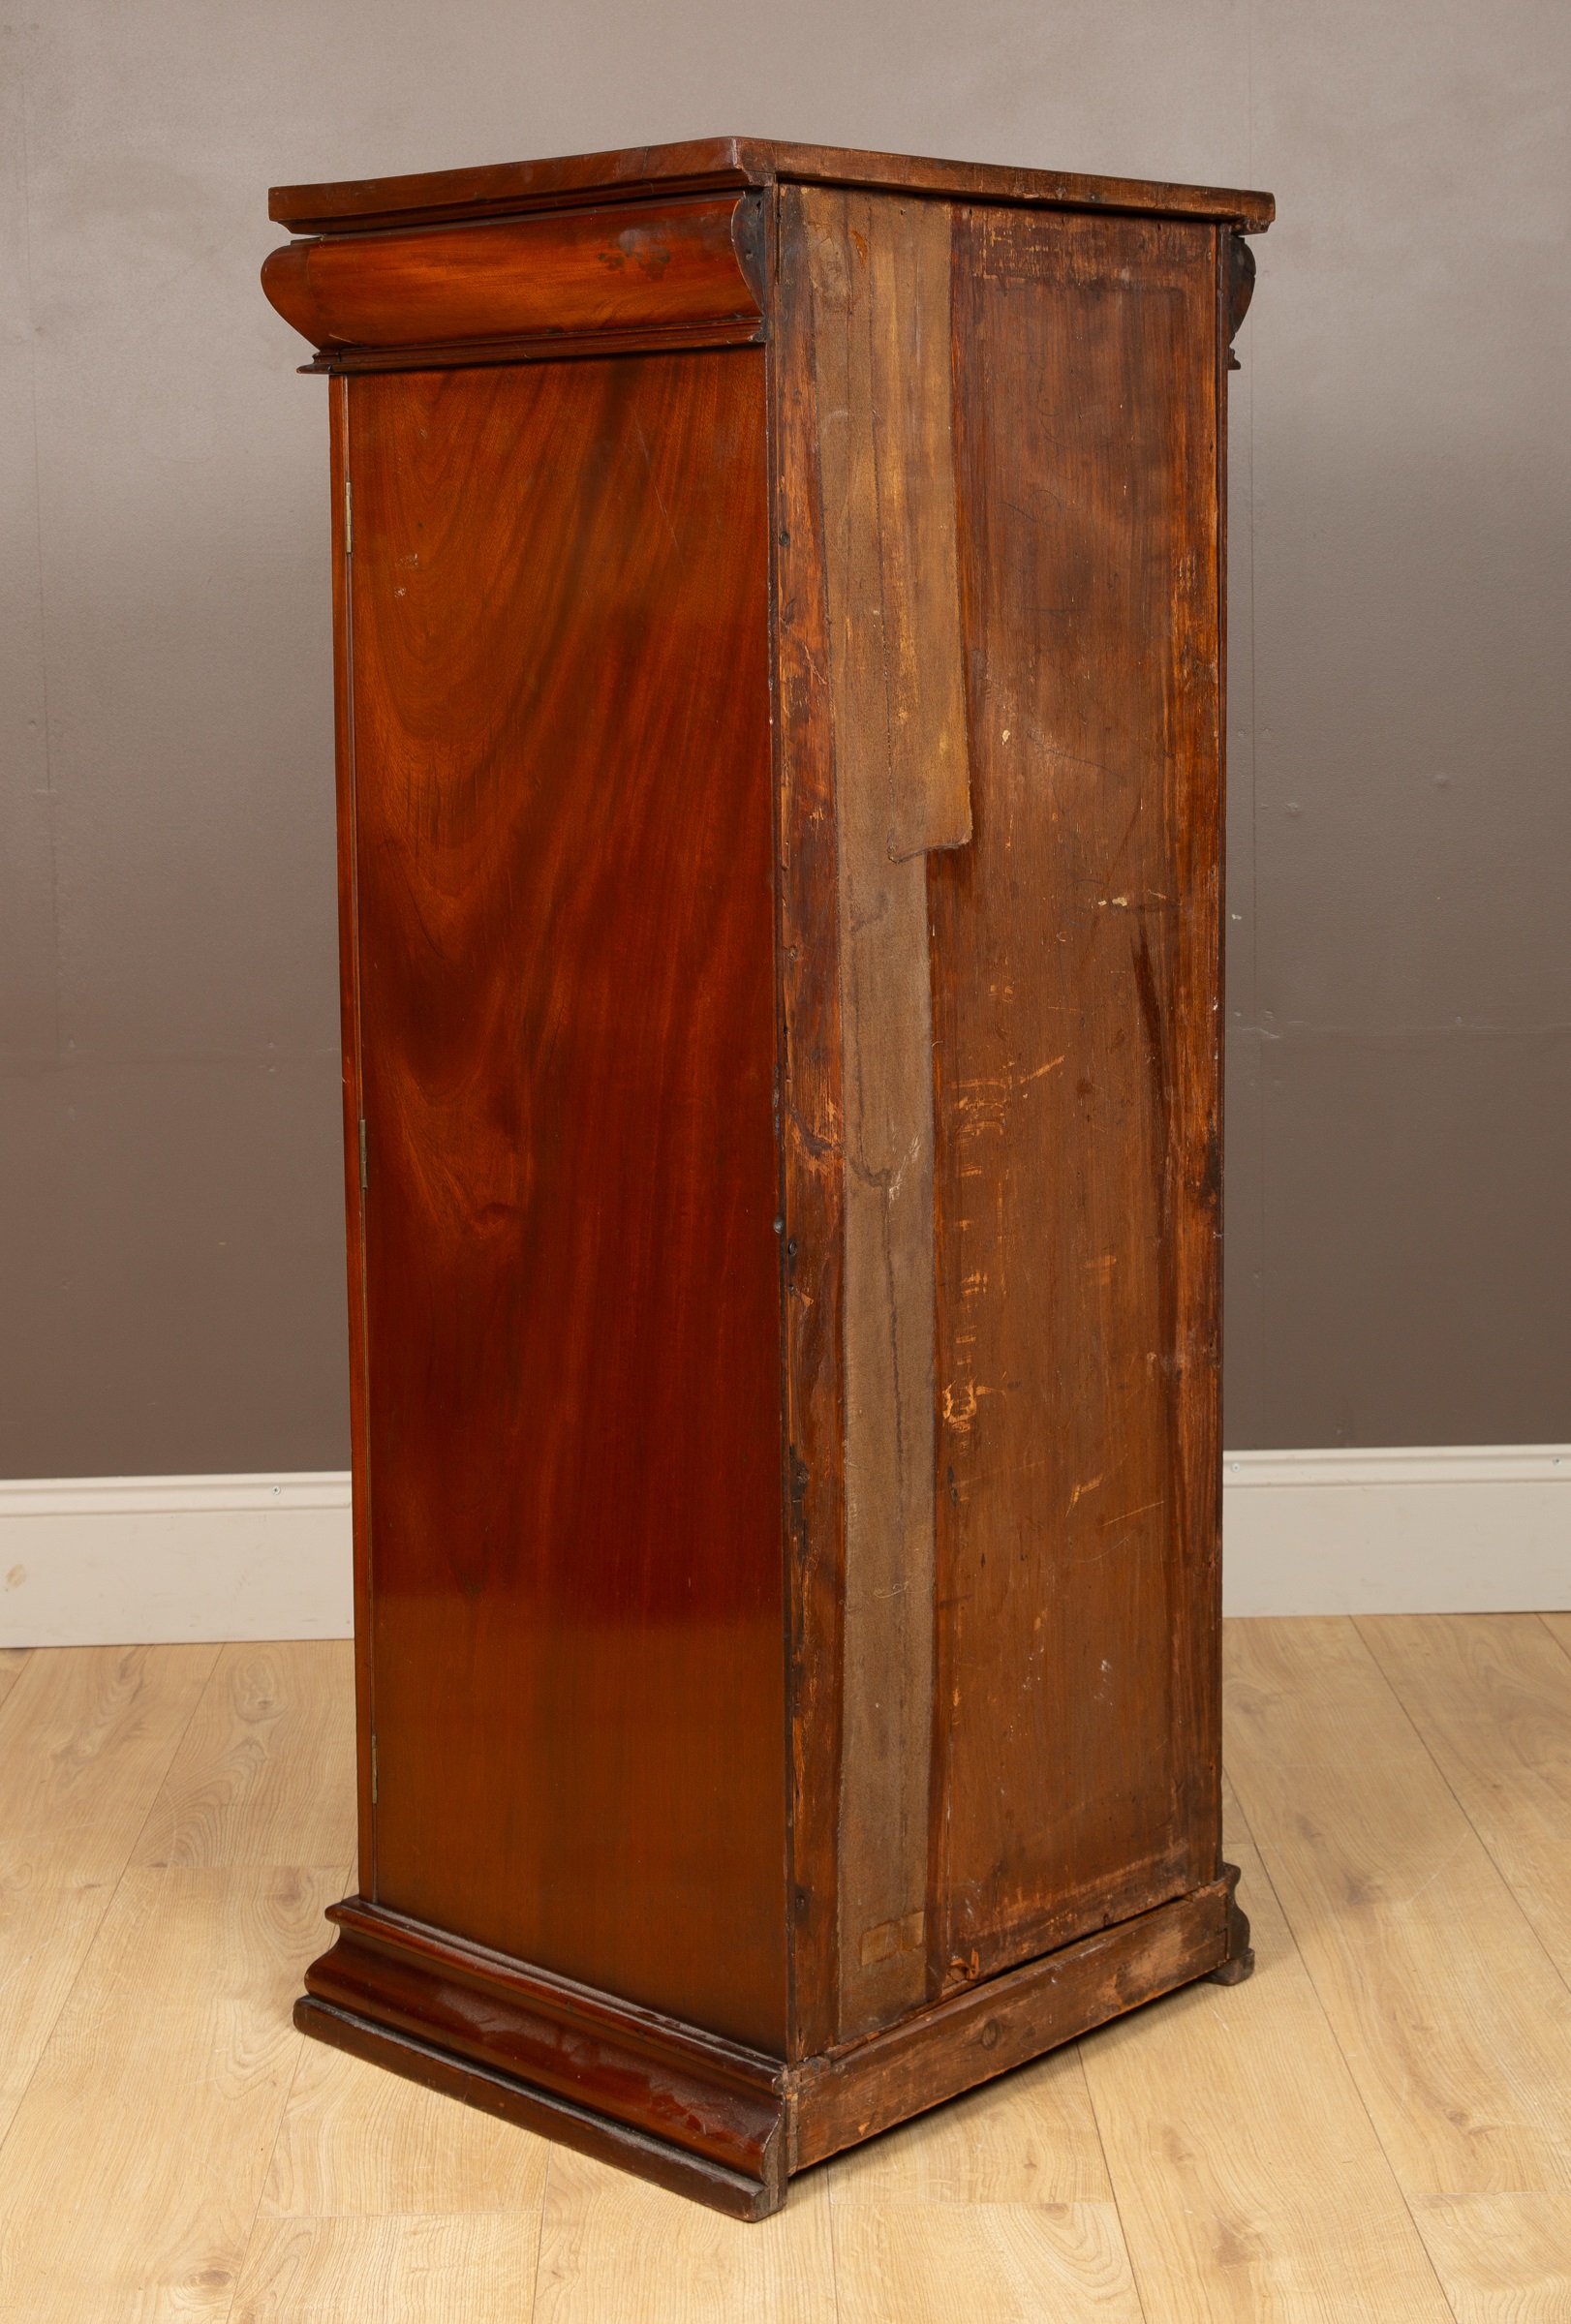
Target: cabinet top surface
{"x": 507, "y": 188}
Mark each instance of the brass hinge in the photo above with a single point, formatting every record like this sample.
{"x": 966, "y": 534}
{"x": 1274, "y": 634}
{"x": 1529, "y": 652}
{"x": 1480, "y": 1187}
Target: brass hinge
{"x": 365, "y": 1172}
{"x": 349, "y": 519}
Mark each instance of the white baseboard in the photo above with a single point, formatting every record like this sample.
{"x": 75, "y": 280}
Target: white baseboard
{"x": 97, "y": 1561}
{"x": 126, "y": 1561}
{"x": 1422, "y": 1529}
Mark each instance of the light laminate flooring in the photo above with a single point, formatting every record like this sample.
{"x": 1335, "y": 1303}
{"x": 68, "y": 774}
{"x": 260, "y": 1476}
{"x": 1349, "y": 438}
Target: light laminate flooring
{"x": 1378, "y": 2126}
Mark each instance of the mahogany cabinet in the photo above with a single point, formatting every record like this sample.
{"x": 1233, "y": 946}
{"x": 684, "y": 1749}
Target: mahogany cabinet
{"x": 780, "y": 682}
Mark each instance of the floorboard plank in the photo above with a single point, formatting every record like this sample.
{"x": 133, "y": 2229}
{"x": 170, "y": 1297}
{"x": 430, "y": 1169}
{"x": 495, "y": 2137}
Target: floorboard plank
{"x": 13, "y": 1660}
{"x": 614, "y": 2247}
{"x": 993, "y": 2263}
{"x": 265, "y": 1772}
{"x": 1250, "y": 2180}
{"x": 1029, "y": 2137}
{"x": 137, "y": 2157}
{"x": 475, "y": 2269}
{"x": 1453, "y": 2019}
{"x": 1503, "y": 2259}
{"x": 354, "y": 2140}
{"x": 1228, "y": 2156}
{"x": 1490, "y": 1696}
{"x": 1558, "y": 1627}
{"x": 86, "y": 1735}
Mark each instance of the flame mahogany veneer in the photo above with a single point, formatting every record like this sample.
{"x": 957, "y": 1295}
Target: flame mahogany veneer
{"x": 780, "y": 689}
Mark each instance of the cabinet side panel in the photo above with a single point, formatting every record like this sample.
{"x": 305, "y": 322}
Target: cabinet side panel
{"x": 562, "y": 752}
{"x": 1075, "y": 960}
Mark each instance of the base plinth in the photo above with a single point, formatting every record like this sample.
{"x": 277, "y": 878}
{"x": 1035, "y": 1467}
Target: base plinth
{"x": 700, "y": 2114}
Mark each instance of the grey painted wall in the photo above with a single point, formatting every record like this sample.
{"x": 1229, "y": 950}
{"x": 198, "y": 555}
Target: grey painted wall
{"x": 1399, "y": 1127}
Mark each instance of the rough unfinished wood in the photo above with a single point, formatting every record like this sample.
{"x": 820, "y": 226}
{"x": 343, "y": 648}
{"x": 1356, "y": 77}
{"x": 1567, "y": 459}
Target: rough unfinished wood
{"x": 1076, "y": 964}
{"x": 984, "y": 2031}
{"x": 879, "y": 269}
{"x": 813, "y": 1173}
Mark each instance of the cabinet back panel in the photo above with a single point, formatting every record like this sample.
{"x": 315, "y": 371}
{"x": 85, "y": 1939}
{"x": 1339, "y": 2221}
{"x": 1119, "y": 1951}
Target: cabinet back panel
{"x": 1075, "y": 951}
{"x": 560, "y": 709}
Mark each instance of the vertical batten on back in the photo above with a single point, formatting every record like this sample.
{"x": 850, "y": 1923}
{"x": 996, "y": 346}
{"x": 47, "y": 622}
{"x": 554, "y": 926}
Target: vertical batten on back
{"x": 880, "y": 269}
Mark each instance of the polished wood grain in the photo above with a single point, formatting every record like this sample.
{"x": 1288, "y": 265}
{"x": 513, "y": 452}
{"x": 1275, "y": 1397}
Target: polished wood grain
{"x": 606, "y": 2135}
{"x": 1075, "y": 962}
{"x": 637, "y": 267}
{"x": 349, "y": 1015}
{"x": 702, "y": 2093}
{"x": 560, "y": 746}
{"x": 352, "y": 206}
{"x": 536, "y": 347}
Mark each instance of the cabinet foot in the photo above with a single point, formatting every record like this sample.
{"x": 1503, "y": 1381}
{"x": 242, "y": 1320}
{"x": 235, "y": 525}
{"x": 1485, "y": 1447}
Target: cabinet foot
{"x": 1240, "y": 1961}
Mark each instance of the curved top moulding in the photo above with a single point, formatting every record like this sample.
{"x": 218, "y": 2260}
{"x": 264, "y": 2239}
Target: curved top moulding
{"x": 619, "y": 267}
